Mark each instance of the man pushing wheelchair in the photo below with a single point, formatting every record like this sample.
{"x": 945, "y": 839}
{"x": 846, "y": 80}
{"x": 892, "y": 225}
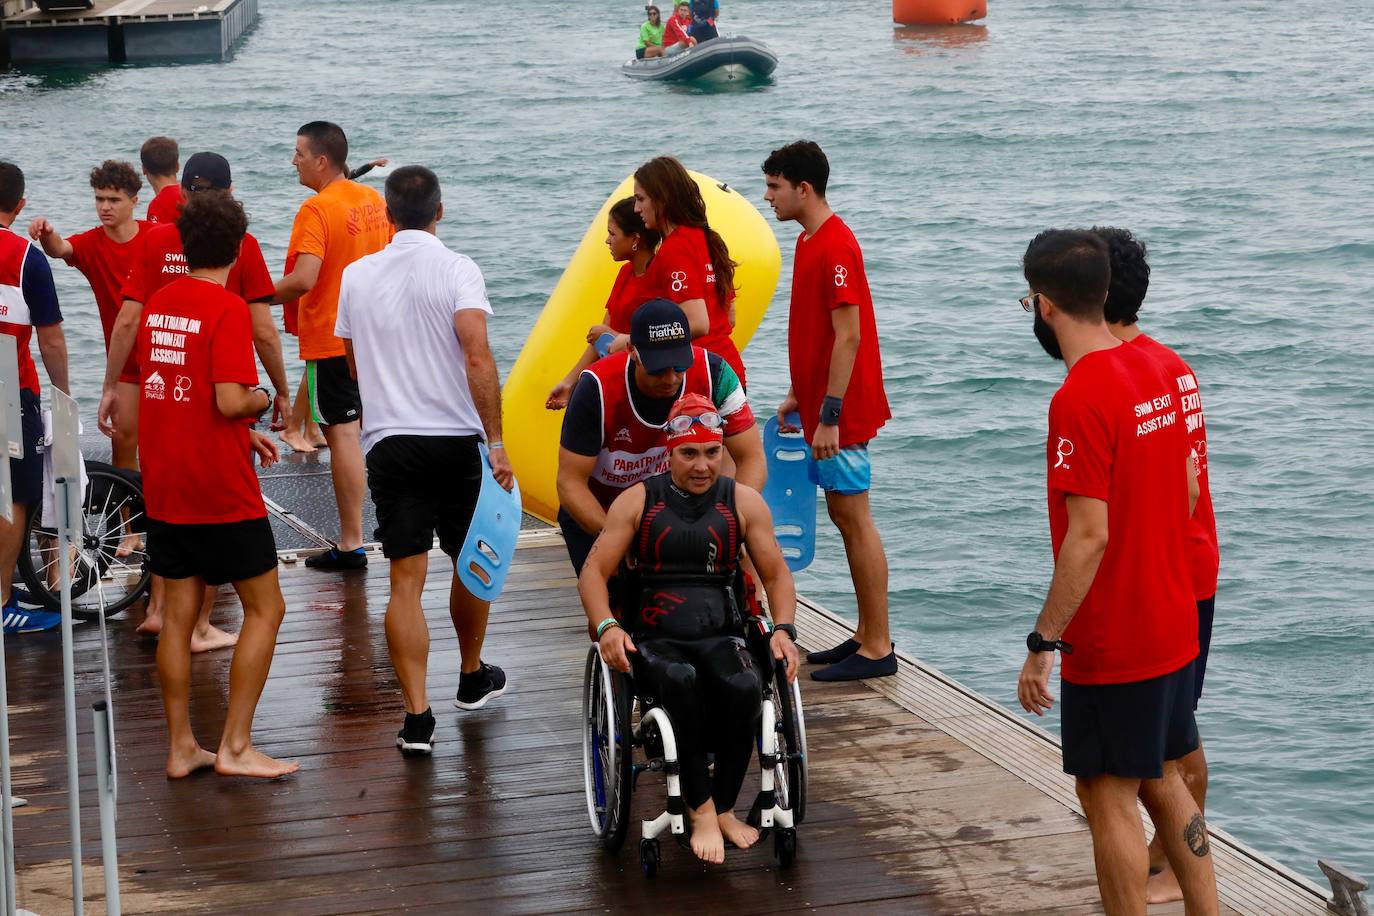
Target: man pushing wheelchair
{"x": 681, "y": 535}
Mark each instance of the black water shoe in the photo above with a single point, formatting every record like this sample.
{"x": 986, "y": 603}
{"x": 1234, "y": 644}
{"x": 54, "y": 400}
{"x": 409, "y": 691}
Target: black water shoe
{"x": 857, "y": 668}
{"x": 474, "y": 689}
{"x": 334, "y": 558}
{"x": 837, "y": 654}
{"x": 416, "y": 737}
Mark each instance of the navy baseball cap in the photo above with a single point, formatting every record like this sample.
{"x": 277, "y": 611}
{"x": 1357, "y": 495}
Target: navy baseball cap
{"x": 204, "y": 171}
{"x": 661, "y": 336}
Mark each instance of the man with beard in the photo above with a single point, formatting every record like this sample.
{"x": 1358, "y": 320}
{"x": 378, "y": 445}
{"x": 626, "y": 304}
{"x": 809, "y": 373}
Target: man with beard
{"x": 1120, "y": 593}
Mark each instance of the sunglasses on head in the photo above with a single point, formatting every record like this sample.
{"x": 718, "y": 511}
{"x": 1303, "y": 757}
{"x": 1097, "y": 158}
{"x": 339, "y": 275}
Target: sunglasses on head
{"x": 681, "y": 424}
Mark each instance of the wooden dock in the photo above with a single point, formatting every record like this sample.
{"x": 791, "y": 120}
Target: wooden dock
{"x": 925, "y": 798}
{"x": 120, "y": 31}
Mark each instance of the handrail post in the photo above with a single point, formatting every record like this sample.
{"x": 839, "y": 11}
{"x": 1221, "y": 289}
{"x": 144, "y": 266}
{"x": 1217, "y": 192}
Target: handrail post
{"x": 64, "y": 536}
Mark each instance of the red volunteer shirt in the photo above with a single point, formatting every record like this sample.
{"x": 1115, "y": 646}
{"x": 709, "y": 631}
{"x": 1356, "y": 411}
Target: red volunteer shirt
{"x": 682, "y": 270}
{"x": 105, "y": 263}
{"x": 1116, "y": 434}
{"x": 628, "y": 294}
{"x": 166, "y": 206}
{"x": 160, "y": 261}
{"x": 1204, "y": 556}
{"x": 827, "y": 273}
{"x": 197, "y": 464}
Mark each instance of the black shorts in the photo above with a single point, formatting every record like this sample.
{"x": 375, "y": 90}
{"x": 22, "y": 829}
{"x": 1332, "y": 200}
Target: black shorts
{"x": 26, "y": 474}
{"x": 578, "y": 542}
{"x": 1128, "y": 729}
{"x": 334, "y": 396}
{"x": 639, "y": 53}
{"x": 422, "y": 485}
{"x": 218, "y": 553}
{"x": 1206, "y": 609}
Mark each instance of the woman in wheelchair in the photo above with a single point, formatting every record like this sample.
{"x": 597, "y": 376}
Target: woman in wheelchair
{"x": 681, "y": 535}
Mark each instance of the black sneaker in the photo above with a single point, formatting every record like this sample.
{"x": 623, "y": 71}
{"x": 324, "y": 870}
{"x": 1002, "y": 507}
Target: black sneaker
{"x": 334, "y": 558}
{"x": 857, "y": 668}
{"x": 416, "y": 737}
{"x": 486, "y": 683}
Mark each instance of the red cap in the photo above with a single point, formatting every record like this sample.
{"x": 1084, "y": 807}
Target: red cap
{"x": 694, "y": 405}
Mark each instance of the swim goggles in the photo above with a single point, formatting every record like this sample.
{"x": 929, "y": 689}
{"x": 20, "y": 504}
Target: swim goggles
{"x": 683, "y": 422}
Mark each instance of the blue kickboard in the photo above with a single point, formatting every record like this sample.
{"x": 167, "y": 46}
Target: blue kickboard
{"x": 790, "y": 493}
{"x": 489, "y": 550}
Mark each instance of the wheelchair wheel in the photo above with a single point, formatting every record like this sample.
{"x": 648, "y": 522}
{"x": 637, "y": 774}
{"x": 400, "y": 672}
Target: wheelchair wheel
{"x": 785, "y": 846}
{"x": 102, "y": 580}
{"x": 791, "y": 771}
{"x": 650, "y": 857}
{"x": 607, "y": 750}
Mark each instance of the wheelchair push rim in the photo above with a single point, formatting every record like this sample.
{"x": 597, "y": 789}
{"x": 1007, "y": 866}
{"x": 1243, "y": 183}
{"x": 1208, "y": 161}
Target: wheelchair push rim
{"x": 605, "y": 752}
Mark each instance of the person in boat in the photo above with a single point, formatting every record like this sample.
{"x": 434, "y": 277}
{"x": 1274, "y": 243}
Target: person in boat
{"x": 684, "y": 532}
{"x": 677, "y": 35}
{"x": 633, "y": 244}
{"x": 704, "y": 15}
{"x": 615, "y": 434}
{"x": 650, "y": 34}
{"x": 693, "y": 266}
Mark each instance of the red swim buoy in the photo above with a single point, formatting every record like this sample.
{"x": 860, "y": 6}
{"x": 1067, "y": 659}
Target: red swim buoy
{"x": 937, "y": 12}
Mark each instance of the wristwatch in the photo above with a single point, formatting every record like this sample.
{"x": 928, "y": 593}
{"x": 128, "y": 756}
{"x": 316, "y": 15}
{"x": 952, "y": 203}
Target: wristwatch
{"x": 1037, "y": 643}
{"x": 787, "y": 628}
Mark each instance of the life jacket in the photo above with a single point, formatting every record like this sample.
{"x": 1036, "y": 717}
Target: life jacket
{"x": 632, "y": 449}
{"x": 686, "y": 557}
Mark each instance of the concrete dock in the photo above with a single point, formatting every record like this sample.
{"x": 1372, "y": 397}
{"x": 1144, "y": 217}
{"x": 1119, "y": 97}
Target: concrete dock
{"x": 924, "y": 798}
{"x": 118, "y": 31}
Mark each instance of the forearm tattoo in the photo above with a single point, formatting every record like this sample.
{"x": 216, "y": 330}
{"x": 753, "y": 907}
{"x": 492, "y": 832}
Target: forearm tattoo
{"x": 1196, "y": 836}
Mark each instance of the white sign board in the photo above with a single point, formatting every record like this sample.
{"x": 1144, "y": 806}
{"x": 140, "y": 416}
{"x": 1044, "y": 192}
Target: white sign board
{"x": 9, "y": 375}
{"x": 66, "y": 453}
{"x": 6, "y": 494}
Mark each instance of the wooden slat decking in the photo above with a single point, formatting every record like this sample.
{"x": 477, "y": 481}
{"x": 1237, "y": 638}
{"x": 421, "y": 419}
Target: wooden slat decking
{"x": 924, "y": 798}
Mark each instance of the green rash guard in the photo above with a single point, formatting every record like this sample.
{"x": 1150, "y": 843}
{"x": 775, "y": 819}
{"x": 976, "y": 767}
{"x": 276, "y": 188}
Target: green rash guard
{"x": 650, "y": 35}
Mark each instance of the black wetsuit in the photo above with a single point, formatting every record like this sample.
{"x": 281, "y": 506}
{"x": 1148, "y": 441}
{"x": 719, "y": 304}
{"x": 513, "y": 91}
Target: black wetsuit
{"x": 692, "y": 658}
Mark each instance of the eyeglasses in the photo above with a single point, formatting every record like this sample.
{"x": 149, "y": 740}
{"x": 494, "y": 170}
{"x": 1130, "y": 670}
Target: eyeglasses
{"x": 681, "y": 424}
{"x": 678, "y": 369}
{"x": 1030, "y": 302}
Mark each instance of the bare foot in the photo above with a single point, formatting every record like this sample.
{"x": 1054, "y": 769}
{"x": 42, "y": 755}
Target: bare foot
{"x": 210, "y": 638}
{"x": 252, "y": 762}
{"x": 707, "y": 841}
{"x": 296, "y": 441}
{"x": 130, "y": 543}
{"x": 181, "y": 764}
{"x": 319, "y": 441}
{"x": 1163, "y": 887}
{"x": 151, "y": 625}
{"x": 736, "y": 831}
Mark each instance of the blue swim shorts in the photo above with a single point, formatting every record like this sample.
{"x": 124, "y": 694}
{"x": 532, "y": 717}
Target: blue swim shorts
{"x": 848, "y": 473}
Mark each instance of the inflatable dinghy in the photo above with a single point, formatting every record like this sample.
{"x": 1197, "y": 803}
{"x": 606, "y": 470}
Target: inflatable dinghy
{"x": 721, "y": 60}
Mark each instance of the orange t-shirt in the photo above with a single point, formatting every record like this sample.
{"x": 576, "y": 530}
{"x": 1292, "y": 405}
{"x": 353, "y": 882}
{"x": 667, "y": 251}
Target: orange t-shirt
{"x": 339, "y": 225}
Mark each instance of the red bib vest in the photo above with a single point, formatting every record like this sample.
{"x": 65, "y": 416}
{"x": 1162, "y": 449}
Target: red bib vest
{"x": 633, "y": 449}
{"x": 14, "y": 310}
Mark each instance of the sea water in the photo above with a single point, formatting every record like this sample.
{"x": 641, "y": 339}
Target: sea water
{"x": 1234, "y": 138}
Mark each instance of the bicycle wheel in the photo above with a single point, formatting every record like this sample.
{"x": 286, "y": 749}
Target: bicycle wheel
{"x": 103, "y": 580}
{"x": 791, "y": 773}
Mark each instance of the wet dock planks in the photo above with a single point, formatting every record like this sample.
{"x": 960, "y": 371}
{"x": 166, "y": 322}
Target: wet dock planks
{"x": 924, "y": 798}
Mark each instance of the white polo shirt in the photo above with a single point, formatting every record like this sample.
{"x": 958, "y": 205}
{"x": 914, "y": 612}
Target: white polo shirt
{"x": 397, "y": 308}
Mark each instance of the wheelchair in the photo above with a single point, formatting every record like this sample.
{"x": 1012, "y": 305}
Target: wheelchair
{"x": 626, "y": 733}
{"x": 103, "y": 580}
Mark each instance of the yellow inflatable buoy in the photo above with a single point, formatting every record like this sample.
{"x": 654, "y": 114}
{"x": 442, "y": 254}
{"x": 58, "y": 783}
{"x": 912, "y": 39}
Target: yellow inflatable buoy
{"x": 530, "y": 430}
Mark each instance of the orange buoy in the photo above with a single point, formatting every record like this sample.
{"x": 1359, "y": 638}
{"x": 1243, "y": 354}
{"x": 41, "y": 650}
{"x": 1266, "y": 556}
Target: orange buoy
{"x": 937, "y": 12}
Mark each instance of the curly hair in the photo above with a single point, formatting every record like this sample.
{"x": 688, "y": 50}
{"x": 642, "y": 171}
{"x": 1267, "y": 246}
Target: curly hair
{"x": 121, "y": 176}
{"x": 630, "y": 223}
{"x": 678, "y": 201}
{"x": 212, "y": 225}
{"x": 1130, "y": 274}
